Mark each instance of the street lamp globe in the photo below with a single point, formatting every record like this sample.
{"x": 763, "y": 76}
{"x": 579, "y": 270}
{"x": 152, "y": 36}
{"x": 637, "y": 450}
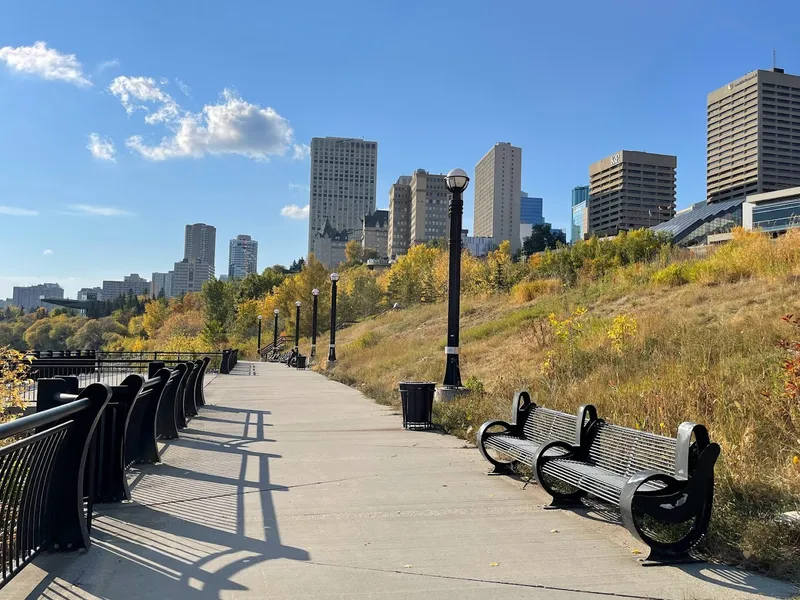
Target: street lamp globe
{"x": 334, "y": 277}
{"x": 275, "y": 312}
{"x": 456, "y": 180}
{"x": 297, "y": 304}
{"x": 315, "y": 291}
{"x": 259, "y": 317}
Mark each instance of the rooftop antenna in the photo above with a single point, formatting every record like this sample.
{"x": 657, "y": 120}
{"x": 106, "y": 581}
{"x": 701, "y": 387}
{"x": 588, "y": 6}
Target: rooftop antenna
{"x": 773, "y": 59}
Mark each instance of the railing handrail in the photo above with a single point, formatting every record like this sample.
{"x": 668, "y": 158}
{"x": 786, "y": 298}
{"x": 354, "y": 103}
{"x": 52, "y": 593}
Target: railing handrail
{"x": 43, "y": 418}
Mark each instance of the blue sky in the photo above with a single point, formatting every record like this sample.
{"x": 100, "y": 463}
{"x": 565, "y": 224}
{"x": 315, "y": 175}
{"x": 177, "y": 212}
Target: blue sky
{"x": 202, "y": 111}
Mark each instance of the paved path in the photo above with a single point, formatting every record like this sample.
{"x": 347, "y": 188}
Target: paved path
{"x": 293, "y": 486}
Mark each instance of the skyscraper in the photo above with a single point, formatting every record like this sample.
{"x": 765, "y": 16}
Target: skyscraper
{"x": 343, "y": 174}
{"x": 189, "y": 275}
{"x": 399, "y": 217}
{"x": 200, "y": 243}
{"x": 580, "y": 214}
{"x": 30, "y": 296}
{"x": 429, "y": 207}
{"x": 242, "y": 257}
{"x": 161, "y": 282}
{"x": 631, "y": 190}
{"x": 752, "y": 123}
{"x": 530, "y": 210}
{"x": 498, "y": 178}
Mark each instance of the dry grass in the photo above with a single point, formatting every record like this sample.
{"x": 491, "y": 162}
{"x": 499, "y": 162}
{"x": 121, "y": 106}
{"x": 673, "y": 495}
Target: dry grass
{"x": 705, "y": 353}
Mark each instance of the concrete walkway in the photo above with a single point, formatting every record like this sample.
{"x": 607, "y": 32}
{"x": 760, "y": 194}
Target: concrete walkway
{"x": 292, "y": 486}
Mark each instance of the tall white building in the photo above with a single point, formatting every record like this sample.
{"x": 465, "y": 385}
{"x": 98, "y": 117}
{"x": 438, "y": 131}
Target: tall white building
{"x": 343, "y": 174}
{"x": 429, "y": 207}
{"x": 161, "y": 282}
{"x": 242, "y": 257}
{"x": 498, "y": 182}
{"x": 130, "y": 284}
{"x": 189, "y": 275}
{"x": 200, "y": 243}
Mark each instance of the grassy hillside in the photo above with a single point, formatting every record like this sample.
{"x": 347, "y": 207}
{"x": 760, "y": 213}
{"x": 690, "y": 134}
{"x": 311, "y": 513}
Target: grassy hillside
{"x": 650, "y": 345}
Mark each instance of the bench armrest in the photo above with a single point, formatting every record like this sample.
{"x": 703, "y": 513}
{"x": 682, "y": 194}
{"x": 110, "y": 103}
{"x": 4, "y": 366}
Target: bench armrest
{"x": 541, "y": 457}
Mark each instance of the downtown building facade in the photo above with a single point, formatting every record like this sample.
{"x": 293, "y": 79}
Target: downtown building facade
{"x": 399, "y": 238}
{"x": 498, "y": 179}
{"x": 242, "y": 257}
{"x": 430, "y": 202}
{"x": 329, "y": 245}
{"x": 580, "y": 213}
{"x": 630, "y": 190}
{"x": 375, "y": 232}
{"x": 30, "y": 297}
{"x": 531, "y": 210}
{"x": 200, "y": 243}
{"x": 130, "y": 284}
{"x": 189, "y": 275}
{"x": 753, "y": 143}
{"x": 342, "y": 185}
{"x": 161, "y": 283}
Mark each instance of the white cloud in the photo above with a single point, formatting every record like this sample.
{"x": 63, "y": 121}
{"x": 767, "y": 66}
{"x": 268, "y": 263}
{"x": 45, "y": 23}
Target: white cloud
{"x": 102, "y": 149}
{"x": 301, "y": 151}
{"x": 45, "y": 62}
{"x": 138, "y": 93}
{"x": 107, "y": 64}
{"x": 47, "y": 252}
{"x": 295, "y": 212}
{"x": 183, "y": 87}
{"x": 301, "y": 187}
{"x": 98, "y": 211}
{"x": 18, "y": 212}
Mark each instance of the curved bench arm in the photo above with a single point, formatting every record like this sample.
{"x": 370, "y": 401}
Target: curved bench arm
{"x": 540, "y": 458}
{"x": 480, "y": 440}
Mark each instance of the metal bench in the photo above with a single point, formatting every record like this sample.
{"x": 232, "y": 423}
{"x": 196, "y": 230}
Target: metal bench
{"x": 531, "y": 427}
{"x": 649, "y": 477}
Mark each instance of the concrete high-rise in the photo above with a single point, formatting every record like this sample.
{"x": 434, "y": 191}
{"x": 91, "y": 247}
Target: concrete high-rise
{"x": 30, "y": 297}
{"x": 399, "y": 217}
{"x": 200, "y": 243}
{"x": 189, "y": 275}
{"x": 429, "y": 207}
{"x": 342, "y": 186}
{"x": 498, "y": 178}
{"x": 242, "y": 257}
{"x": 752, "y": 124}
{"x": 631, "y": 190}
{"x": 161, "y": 282}
{"x": 375, "y": 232}
{"x": 130, "y": 284}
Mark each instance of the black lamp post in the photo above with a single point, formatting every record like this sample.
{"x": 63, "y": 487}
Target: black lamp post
{"x": 332, "y": 346}
{"x": 456, "y": 182}
{"x": 259, "y": 337}
{"x": 315, "y": 293}
{"x": 297, "y": 328}
{"x": 275, "y": 333}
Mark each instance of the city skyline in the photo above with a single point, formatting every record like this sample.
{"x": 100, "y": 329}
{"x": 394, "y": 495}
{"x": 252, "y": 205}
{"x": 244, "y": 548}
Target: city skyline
{"x": 110, "y": 183}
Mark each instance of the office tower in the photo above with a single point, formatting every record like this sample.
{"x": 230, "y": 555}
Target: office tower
{"x": 375, "y": 232}
{"x": 580, "y": 214}
{"x": 329, "y": 244}
{"x": 399, "y": 217}
{"x": 343, "y": 174}
{"x": 753, "y": 132}
{"x": 429, "y": 208}
{"x": 189, "y": 275}
{"x": 200, "y": 243}
{"x": 130, "y": 284}
{"x": 631, "y": 190}
{"x": 161, "y": 282}
{"x": 498, "y": 177}
{"x": 242, "y": 257}
{"x": 30, "y": 297}
{"x": 530, "y": 210}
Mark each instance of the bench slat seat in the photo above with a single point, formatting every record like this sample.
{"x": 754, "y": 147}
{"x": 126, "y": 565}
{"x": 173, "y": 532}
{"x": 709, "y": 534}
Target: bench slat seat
{"x": 530, "y": 428}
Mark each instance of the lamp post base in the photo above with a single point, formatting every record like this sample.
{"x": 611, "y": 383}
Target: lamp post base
{"x": 448, "y": 393}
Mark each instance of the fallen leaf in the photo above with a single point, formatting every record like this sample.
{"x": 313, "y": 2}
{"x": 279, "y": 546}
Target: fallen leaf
{"x": 747, "y": 553}
{"x": 635, "y": 551}
{"x": 494, "y": 564}
{"x": 554, "y": 531}
{"x": 408, "y": 566}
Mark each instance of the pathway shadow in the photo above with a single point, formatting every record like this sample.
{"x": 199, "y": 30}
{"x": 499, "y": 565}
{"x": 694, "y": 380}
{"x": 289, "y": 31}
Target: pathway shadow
{"x": 194, "y": 525}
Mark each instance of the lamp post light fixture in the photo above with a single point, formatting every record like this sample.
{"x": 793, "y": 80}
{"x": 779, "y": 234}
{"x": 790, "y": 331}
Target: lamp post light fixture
{"x": 275, "y": 333}
{"x": 297, "y": 330}
{"x": 456, "y": 182}
{"x": 332, "y": 345}
{"x": 315, "y": 293}
{"x": 259, "y": 337}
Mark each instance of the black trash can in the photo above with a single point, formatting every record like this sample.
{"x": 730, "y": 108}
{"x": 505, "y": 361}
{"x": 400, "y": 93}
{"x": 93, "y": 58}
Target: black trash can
{"x": 301, "y": 361}
{"x": 417, "y": 400}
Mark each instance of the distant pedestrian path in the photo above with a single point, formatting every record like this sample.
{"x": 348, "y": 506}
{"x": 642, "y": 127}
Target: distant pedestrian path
{"x": 288, "y": 485}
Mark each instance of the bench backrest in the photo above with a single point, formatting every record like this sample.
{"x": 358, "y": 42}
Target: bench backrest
{"x": 544, "y": 425}
{"x": 628, "y": 451}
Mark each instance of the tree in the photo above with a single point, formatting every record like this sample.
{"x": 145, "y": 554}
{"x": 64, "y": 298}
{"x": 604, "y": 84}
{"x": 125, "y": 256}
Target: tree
{"x": 94, "y": 332}
{"x": 353, "y": 252}
{"x": 219, "y": 302}
{"x": 543, "y": 238}
{"x": 297, "y": 265}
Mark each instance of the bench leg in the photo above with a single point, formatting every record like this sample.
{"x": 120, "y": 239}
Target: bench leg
{"x": 561, "y": 500}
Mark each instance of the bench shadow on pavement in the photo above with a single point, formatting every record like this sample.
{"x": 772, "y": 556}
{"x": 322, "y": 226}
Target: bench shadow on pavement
{"x": 195, "y": 522}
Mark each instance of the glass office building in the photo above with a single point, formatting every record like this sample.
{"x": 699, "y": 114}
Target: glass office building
{"x": 773, "y": 212}
{"x": 530, "y": 210}
{"x": 692, "y": 227}
{"x": 580, "y": 200}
